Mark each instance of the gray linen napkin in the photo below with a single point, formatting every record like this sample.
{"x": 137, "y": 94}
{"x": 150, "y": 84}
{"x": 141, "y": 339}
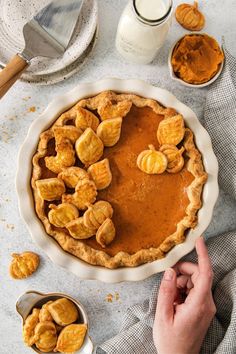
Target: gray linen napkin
{"x": 135, "y": 336}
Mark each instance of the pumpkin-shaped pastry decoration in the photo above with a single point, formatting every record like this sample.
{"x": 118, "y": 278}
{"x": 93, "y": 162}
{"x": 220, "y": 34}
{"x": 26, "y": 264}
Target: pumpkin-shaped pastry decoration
{"x": 50, "y": 188}
{"x": 72, "y": 175}
{"x": 89, "y": 147}
{"x": 174, "y": 157}
{"x": 63, "y": 311}
{"x": 109, "y": 110}
{"x": 190, "y": 17}
{"x": 45, "y": 336}
{"x": 44, "y": 314}
{"x": 85, "y": 194}
{"x": 106, "y": 233}
{"x": 97, "y": 213}
{"x": 109, "y": 131}
{"x": 85, "y": 119}
{"x": 171, "y": 130}
{"x": 71, "y": 338}
{"x": 101, "y": 174}
{"x": 29, "y": 327}
{"x": 24, "y": 264}
{"x": 61, "y": 214}
{"x": 78, "y": 230}
{"x": 152, "y": 161}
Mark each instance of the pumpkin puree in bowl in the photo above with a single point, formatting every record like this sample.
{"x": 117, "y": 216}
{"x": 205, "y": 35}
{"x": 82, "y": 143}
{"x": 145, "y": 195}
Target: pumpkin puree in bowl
{"x": 196, "y": 58}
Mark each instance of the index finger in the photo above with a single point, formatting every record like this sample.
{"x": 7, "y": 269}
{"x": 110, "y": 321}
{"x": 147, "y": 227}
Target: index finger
{"x": 204, "y": 282}
{"x": 204, "y": 262}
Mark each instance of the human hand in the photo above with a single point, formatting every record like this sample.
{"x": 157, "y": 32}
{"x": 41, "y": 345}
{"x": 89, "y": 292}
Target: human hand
{"x": 185, "y": 306}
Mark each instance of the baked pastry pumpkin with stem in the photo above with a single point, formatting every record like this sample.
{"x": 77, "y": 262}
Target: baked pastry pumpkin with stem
{"x": 135, "y": 228}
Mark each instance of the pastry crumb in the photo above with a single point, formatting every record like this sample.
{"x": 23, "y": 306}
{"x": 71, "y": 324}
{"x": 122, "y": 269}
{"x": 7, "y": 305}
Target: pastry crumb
{"x": 109, "y": 298}
{"x": 26, "y": 98}
{"x": 32, "y": 109}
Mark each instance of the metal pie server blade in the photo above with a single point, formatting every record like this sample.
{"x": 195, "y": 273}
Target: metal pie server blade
{"x": 47, "y": 34}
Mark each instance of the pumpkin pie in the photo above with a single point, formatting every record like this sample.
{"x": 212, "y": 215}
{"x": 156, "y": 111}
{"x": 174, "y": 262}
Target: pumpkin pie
{"x": 117, "y": 180}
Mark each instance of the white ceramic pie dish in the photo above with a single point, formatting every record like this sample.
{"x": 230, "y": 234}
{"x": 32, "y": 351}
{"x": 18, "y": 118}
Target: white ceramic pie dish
{"x": 25, "y": 196}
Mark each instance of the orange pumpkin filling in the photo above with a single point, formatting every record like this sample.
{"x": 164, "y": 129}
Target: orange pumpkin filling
{"x": 196, "y": 58}
{"x": 146, "y": 207}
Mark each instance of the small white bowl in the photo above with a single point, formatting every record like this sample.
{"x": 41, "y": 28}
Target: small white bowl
{"x": 176, "y": 78}
{"x": 31, "y": 299}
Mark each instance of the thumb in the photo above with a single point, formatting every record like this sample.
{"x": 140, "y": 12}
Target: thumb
{"x": 167, "y": 295}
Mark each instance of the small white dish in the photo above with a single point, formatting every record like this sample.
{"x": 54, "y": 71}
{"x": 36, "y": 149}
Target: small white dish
{"x": 31, "y": 299}
{"x": 182, "y": 82}
{"x": 25, "y": 196}
{"x": 14, "y": 14}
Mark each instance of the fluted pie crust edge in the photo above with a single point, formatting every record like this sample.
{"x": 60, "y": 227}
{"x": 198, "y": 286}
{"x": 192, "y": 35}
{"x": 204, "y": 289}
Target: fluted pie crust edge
{"x": 123, "y": 259}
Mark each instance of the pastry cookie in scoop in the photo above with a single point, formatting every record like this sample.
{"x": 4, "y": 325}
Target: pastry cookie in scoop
{"x": 29, "y": 327}
{"x": 63, "y": 311}
{"x": 45, "y": 336}
{"x": 71, "y": 338}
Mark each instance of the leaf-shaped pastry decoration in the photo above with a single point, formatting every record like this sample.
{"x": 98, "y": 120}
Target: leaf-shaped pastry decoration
{"x": 29, "y": 327}
{"x": 85, "y": 194}
{"x": 63, "y": 311}
{"x": 190, "y": 17}
{"x": 50, "y": 188}
{"x": 65, "y": 157}
{"x": 89, "y": 147}
{"x": 174, "y": 157}
{"x": 66, "y": 132}
{"x": 72, "y": 175}
{"x": 109, "y": 131}
{"x": 109, "y": 110}
{"x": 101, "y": 174}
{"x": 97, "y": 213}
{"x": 78, "y": 230}
{"x": 86, "y": 119}
{"x": 106, "y": 233}
{"x": 24, "y": 264}
{"x": 45, "y": 336}
{"x": 44, "y": 314}
{"x": 152, "y": 161}
{"x": 171, "y": 130}
{"x": 71, "y": 338}
{"x": 61, "y": 214}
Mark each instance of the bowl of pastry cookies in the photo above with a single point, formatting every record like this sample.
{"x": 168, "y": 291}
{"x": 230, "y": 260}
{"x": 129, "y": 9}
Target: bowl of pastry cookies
{"x": 116, "y": 180}
{"x": 54, "y": 322}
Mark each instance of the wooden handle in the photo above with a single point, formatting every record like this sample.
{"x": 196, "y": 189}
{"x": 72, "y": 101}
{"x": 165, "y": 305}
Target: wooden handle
{"x": 11, "y": 73}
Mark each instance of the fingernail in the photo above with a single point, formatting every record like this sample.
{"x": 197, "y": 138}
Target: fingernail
{"x": 169, "y": 274}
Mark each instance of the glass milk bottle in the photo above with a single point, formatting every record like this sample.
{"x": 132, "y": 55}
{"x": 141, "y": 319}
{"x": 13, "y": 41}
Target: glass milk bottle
{"x": 143, "y": 28}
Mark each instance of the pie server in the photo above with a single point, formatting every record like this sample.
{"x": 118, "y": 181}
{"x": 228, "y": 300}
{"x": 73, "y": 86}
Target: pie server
{"x": 47, "y": 34}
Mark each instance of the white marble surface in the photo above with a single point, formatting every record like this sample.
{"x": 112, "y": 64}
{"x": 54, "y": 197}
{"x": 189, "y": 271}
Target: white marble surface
{"x": 105, "y": 317}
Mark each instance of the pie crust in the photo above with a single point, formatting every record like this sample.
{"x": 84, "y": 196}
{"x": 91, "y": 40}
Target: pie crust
{"x": 107, "y": 105}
